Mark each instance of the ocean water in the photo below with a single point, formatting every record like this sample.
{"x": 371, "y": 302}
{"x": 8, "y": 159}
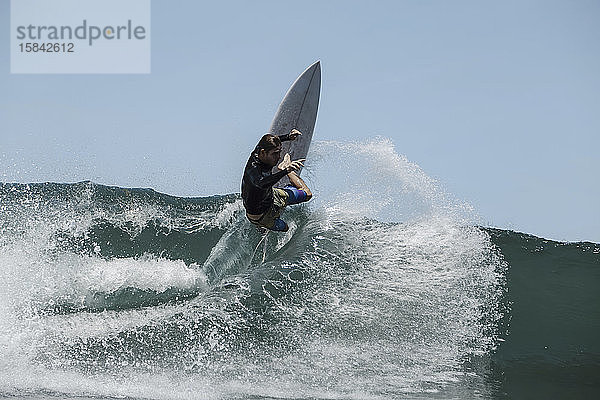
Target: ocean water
{"x": 109, "y": 292}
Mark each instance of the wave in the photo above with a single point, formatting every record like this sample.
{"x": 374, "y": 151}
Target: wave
{"x": 372, "y": 293}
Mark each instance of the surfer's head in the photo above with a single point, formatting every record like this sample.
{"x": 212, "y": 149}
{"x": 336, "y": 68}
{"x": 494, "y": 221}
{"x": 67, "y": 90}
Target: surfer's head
{"x": 269, "y": 149}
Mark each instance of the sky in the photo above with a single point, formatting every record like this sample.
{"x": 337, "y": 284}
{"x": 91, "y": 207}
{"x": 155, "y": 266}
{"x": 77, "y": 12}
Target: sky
{"x": 497, "y": 101}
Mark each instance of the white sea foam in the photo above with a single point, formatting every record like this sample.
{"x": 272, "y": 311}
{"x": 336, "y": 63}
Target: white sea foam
{"x": 387, "y": 309}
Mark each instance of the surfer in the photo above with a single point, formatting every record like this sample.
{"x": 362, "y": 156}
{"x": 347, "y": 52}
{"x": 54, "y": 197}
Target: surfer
{"x": 263, "y": 202}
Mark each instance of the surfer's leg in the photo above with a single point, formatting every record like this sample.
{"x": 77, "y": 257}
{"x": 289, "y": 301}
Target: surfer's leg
{"x": 279, "y": 226}
{"x": 270, "y": 219}
{"x": 300, "y": 186}
{"x": 295, "y": 195}
{"x": 271, "y": 223}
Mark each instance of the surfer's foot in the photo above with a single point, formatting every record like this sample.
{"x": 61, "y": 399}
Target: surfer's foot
{"x": 280, "y": 226}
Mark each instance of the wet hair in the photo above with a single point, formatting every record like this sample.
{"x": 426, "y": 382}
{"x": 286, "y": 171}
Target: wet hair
{"x": 268, "y": 142}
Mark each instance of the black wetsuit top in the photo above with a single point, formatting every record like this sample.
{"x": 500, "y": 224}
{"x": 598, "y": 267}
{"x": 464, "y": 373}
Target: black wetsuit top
{"x": 257, "y": 183}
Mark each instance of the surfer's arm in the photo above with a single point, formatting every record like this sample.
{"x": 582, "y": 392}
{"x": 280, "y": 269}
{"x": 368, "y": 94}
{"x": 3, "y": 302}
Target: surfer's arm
{"x": 284, "y": 138}
{"x": 294, "y": 133}
{"x": 264, "y": 182}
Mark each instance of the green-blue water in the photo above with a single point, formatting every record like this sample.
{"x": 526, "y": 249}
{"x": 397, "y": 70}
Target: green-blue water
{"x": 128, "y": 293}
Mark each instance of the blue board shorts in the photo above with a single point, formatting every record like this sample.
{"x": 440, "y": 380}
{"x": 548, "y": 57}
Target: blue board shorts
{"x": 287, "y": 196}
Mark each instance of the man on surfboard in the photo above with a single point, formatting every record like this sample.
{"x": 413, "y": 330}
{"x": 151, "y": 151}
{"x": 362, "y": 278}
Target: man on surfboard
{"x": 262, "y": 201}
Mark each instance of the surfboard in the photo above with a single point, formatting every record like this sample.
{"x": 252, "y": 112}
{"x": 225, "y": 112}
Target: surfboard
{"x": 298, "y": 109}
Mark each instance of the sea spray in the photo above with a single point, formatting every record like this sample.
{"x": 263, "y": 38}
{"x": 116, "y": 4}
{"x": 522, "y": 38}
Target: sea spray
{"x": 371, "y": 179}
{"x": 382, "y": 289}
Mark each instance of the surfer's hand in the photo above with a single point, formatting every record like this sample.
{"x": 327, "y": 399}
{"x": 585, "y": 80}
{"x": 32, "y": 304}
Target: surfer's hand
{"x": 295, "y": 165}
{"x": 294, "y": 134}
{"x": 285, "y": 163}
{"x": 289, "y": 165}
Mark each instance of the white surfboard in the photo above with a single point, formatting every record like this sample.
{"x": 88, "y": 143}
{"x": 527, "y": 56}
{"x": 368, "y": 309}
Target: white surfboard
{"x": 298, "y": 110}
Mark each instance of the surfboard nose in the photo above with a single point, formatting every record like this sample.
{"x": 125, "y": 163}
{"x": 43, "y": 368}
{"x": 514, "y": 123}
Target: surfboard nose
{"x": 315, "y": 67}
{"x": 312, "y": 76}
{"x": 298, "y": 110}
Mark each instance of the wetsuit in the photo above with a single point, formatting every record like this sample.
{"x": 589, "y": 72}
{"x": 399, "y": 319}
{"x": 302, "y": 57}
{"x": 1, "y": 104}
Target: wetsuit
{"x": 258, "y": 181}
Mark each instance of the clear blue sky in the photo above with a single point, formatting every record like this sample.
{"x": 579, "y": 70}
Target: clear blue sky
{"x": 498, "y": 100}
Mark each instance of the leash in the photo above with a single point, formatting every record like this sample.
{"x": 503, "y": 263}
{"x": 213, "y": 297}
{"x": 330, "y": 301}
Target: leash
{"x": 264, "y": 236}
